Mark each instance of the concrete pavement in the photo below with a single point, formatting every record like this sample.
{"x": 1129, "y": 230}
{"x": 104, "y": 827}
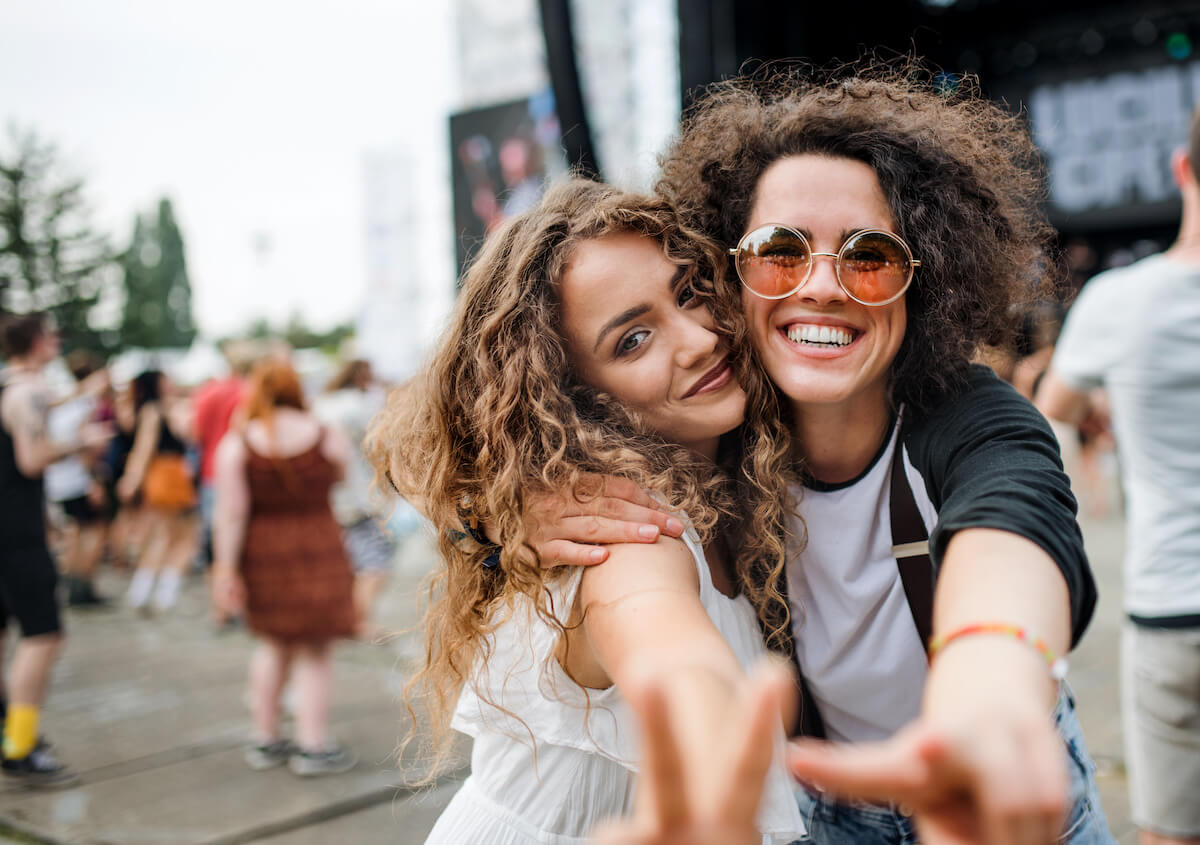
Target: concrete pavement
{"x": 151, "y": 713}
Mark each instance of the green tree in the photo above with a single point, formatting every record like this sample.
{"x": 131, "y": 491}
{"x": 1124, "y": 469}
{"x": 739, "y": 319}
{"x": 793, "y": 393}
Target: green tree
{"x": 158, "y": 293}
{"x": 51, "y": 258}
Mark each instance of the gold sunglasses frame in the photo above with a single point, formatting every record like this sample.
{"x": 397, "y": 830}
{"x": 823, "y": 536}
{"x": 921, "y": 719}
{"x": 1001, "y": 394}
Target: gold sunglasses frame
{"x": 913, "y": 263}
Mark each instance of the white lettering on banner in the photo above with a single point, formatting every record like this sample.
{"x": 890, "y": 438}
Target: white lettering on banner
{"x": 1108, "y": 141}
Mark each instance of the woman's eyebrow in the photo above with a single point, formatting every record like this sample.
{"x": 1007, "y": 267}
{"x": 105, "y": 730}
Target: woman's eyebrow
{"x": 620, "y": 320}
{"x": 846, "y": 234}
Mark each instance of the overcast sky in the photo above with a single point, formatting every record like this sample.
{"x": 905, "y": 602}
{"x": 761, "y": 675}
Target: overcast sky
{"x": 251, "y": 115}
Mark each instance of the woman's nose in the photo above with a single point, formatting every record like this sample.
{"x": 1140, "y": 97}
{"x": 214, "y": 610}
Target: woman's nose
{"x": 697, "y": 342}
{"x": 822, "y": 286}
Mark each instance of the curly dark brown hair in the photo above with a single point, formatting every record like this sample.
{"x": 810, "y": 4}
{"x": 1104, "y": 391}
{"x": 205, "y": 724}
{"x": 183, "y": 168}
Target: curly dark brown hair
{"x": 499, "y": 419}
{"x": 960, "y": 173}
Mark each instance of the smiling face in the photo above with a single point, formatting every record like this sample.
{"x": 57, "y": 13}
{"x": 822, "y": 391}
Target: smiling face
{"x": 818, "y": 345}
{"x": 636, "y": 330}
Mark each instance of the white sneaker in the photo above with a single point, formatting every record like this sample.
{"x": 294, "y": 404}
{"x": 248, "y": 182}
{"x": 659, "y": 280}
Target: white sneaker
{"x": 309, "y": 764}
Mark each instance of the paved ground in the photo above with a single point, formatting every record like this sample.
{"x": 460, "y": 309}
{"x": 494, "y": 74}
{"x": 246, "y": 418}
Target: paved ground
{"x": 152, "y": 714}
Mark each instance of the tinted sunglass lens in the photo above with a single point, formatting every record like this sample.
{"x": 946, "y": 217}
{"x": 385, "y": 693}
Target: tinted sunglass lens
{"x": 773, "y": 261}
{"x": 875, "y": 267}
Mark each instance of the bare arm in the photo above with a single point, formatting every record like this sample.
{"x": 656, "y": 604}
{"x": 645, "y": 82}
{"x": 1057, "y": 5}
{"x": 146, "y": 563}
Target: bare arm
{"x": 1059, "y": 401}
{"x": 229, "y": 521}
{"x": 233, "y": 502}
{"x": 337, "y": 449}
{"x": 145, "y": 443}
{"x": 26, "y": 410}
{"x": 643, "y": 619}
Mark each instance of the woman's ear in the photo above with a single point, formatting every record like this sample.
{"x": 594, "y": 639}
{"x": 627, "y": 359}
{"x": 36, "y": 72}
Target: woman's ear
{"x": 1182, "y": 171}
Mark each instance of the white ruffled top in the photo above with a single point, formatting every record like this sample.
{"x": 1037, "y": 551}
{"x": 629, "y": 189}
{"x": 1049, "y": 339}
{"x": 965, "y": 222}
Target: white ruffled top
{"x": 552, "y": 767}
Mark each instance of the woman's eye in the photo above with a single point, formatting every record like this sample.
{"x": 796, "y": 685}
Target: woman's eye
{"x": 631, "y": 342}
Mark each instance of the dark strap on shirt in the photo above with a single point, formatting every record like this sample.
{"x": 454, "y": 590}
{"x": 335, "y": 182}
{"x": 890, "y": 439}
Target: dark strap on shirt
{"x": 910, "y": 545}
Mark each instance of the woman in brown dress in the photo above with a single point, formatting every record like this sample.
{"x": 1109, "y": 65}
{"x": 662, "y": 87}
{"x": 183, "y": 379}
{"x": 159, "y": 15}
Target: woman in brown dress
{"x": 279, "y": 559}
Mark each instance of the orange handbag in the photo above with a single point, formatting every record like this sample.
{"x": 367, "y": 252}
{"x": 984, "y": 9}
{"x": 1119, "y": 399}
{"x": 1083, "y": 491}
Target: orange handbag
{"x": 168, "y": 483}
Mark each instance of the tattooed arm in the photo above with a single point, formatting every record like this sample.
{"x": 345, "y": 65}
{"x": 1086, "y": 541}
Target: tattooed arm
{"x": 24, "y": 412}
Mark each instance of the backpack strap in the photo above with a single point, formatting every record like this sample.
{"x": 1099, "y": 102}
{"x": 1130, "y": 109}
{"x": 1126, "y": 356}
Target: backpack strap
{"x": 910, "y": 545}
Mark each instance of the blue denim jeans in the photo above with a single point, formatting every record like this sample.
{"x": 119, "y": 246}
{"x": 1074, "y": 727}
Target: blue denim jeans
{"x": 857, "y": 823}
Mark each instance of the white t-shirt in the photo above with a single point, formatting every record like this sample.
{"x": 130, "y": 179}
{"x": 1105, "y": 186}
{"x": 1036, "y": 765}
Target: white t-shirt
{"x": 855, "y": 637}
{"x": 1135, "y": 331}
{"x": 69, "y": 478}
{"x": 351, "y": 411}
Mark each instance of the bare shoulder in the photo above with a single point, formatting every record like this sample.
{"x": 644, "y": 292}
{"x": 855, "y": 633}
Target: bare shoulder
{"x": 25, "y": 402}
{"x": 336, "y": 445}
{"x": 665, "y": 565}
{"x": 231, "y": 451}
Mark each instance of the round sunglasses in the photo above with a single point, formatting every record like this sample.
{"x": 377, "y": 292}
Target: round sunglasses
{"x": 873, "y": 266}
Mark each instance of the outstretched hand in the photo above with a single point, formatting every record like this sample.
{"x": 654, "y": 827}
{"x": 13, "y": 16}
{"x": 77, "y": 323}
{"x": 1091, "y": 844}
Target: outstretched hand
{"x": 673, "y": 806}
{"x": 994, "y": 788}
{"x": 571, "y": 528}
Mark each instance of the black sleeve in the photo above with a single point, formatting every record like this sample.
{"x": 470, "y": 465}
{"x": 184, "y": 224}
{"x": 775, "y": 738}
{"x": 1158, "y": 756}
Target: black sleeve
{"x": 990, "y": 460}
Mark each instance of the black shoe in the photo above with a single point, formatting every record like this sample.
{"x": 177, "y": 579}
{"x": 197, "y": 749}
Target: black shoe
{"x": 40, "y": 769}
{"x": 81, "y": 593}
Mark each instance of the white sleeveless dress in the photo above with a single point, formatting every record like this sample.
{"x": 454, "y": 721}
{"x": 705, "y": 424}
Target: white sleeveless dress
{"x": 567, "y": 768}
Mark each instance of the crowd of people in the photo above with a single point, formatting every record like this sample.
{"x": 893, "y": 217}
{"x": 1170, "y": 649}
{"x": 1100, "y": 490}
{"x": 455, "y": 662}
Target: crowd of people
{"x": 236, "y": 479}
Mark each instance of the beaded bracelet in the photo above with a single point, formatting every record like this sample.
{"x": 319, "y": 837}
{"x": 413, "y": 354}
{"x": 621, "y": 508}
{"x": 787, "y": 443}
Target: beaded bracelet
{"x": 1058, "y": 665}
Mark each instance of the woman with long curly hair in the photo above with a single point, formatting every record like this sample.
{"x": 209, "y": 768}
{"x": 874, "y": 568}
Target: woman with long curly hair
{"x": 882, "y": 230}
{"x": 586, "y": 341}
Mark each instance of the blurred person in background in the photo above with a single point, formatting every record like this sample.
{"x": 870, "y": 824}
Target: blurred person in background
{"x": 350, "y": 401}
{"x": 27, "y": 574}
{"x": 213, "y": 408}
{"x": 158, "y": 469}
{"x": 73, "y": 483}
{"x": 127, "y": 533}
{"x": 1135, "y": 332}
{"x": 279, "y": 558}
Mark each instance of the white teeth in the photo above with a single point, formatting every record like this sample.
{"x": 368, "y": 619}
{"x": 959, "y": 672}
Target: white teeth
{"x": 828, "y": 335}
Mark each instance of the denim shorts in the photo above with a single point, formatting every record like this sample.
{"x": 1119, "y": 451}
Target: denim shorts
{"x": 831, "y": 822}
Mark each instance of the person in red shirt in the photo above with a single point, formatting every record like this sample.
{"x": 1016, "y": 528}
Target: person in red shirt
{"x": 213, "y": 408}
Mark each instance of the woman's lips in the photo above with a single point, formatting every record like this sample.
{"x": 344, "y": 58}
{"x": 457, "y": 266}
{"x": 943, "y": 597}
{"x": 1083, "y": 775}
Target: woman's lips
{"x": 714, "y": 379}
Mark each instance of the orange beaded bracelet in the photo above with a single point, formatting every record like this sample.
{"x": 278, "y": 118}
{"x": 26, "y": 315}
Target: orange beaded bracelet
{"x": 1058, "y": 665}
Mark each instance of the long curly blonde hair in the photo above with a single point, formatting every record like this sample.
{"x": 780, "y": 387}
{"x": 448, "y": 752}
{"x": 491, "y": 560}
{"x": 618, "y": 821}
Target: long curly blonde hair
{"x": 499, "y": 419}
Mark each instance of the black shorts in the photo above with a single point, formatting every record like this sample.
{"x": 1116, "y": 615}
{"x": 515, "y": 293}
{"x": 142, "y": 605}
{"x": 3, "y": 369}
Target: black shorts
{"x": 28, "y": 590}
{"x": 82, "y": 510}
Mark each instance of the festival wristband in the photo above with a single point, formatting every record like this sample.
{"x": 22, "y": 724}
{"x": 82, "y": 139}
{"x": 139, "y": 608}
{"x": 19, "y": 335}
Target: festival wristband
{"x": 1058, "y": 665}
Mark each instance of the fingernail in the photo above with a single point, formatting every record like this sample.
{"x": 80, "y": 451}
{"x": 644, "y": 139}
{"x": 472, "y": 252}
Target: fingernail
{"x": 648, "y": 532}
{"x": 596, "y": 555}
{"x": 674, "y": 526}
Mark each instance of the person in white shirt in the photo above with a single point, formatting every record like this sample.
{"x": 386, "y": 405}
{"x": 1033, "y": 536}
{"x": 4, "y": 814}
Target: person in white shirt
{"x": 1135, "y": 332}
{"x": 72, "y": 485}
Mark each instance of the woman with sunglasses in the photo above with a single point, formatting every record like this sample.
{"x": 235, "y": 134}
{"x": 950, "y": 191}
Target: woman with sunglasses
{"x": 583, "y": 343}
{"x": 882, "y": 230}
